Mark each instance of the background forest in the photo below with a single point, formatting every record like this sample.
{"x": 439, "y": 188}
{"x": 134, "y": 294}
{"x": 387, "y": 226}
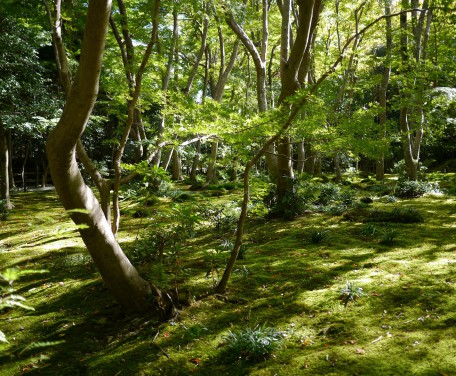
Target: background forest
{"x": 220, "y": 156}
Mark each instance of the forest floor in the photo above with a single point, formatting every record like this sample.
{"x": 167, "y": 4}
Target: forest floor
{"x": 290, "y": 278}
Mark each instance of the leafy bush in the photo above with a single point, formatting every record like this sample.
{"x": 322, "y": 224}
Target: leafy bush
{"x": 390, "y": 199}
{"x": 329, "y": 192}
{"x": 251, "y": 345}
{"x": 350, "y": 292}
{"x": 410, "y": 189}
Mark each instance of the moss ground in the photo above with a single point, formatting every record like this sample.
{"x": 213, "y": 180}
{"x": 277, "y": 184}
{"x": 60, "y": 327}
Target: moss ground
{"x": 404, "y": 325}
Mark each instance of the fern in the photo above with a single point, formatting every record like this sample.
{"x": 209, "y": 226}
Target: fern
{"x": 40, "y": 345}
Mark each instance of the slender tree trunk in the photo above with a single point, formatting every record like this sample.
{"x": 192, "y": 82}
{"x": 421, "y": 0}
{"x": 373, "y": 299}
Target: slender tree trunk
{"x": 23, "y": 171}
{"x": 4, "y": 163}
{"x": 301, "y": 157}
{"x": 12, "y": 183}
{"x": 382, "y": 93}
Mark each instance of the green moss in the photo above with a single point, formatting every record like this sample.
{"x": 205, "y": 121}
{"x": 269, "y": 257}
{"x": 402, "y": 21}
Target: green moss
{"x": 404, "y": 324}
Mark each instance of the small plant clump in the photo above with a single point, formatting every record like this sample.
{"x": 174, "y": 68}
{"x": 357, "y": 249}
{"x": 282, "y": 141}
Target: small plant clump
{"x": 388, "y": 237}
{"x": 413, "y": 189}
{"x": 251, "y": 345}
{"x": 350, "y": 293}
{"x": 318, "y": 236}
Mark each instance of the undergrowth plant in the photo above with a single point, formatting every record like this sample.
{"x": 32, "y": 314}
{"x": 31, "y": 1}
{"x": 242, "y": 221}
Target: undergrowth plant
{"x": 251, "y": 345}
{"x": 413, "y": 189}
{"x": 350, "y": 293}
{"x": 318, "y": 236}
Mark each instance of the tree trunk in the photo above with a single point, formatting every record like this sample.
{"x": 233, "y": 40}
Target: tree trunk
{"x": 211, "y": 173}
{"x": 301, "y": 157}
{"x": 285, "y": 171}
{"x": 23, "y": 172}
{"x": 176, "y": 171}
{"x": 12, "y": 183}
{"x": 121, "y": 278}
{"x": 411, "y": 118}
{"x": 4, "y": 163}
{"x": 195, "y": 162}
{"x": 382, "y": 92}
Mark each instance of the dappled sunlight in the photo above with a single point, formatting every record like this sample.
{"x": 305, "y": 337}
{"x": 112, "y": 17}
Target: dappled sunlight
{"x": 284, "y": 279}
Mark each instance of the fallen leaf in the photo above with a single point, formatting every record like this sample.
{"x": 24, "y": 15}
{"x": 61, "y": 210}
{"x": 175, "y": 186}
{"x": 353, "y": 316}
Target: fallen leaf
{"x": 360, "y": 351}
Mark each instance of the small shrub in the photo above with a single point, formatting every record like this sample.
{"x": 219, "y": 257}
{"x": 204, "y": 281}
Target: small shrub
{"x": 328, "y": 193}
{"x": 410, "y": 189}
{"x": 251, "y": 345}
{"x": 391, "y": 199}
{"x": 349, "y": 293}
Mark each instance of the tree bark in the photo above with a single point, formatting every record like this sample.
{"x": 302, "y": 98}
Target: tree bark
{"x": 121, "y": 278}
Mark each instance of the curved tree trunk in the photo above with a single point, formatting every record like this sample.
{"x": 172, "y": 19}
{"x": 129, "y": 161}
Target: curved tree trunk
{"x": 121, "y": 278}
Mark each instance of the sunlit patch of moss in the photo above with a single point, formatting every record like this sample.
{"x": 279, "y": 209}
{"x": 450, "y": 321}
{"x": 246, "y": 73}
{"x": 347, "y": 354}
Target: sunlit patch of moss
{"x": 404, "y": 324}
